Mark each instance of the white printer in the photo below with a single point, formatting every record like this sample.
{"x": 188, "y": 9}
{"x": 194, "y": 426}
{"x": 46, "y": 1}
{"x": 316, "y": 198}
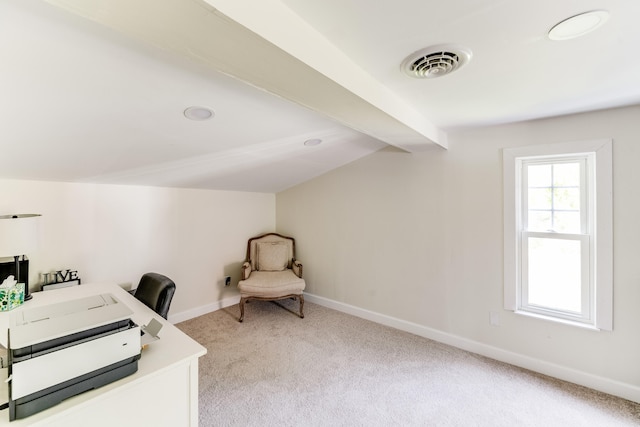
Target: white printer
{"x": 61, "y": 350}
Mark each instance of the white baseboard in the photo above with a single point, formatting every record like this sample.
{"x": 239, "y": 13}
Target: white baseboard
{"x": 606, "y": 385}
{"x": 199, "y": 311}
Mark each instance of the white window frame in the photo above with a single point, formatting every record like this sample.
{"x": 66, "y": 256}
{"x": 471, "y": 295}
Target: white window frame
{"x": 597, "y": 304}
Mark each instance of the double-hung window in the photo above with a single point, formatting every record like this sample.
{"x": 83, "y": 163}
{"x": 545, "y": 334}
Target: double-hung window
{"x": 558, "y": 232}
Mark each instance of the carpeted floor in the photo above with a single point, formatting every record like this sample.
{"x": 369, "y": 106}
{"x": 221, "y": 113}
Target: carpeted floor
{"x": 333, "y": 369}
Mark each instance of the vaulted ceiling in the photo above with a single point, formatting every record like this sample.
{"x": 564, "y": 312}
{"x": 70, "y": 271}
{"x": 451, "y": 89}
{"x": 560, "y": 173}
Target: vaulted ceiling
{"x": 94, "y": 90}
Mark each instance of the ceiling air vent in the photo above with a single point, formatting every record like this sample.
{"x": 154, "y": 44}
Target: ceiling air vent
{"x": 435, "y": 61}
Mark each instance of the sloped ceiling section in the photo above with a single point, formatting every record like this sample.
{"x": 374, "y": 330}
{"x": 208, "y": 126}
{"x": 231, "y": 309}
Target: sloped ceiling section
{"x": 84, "y": 103}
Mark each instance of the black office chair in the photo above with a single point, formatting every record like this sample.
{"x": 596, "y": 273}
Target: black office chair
{"x": 155, "y": 291}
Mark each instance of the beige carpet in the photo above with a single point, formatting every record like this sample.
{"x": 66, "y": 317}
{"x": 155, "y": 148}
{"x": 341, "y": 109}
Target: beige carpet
{"x": 333, "y": 369}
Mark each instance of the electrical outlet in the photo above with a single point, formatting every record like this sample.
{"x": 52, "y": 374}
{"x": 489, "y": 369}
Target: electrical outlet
{"x": 227, "y": 281}
{"x": 494, "y": 317}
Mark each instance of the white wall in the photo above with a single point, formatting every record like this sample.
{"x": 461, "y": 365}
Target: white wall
{"x": 418, "y": 238}
{"x": 114, "y": 234}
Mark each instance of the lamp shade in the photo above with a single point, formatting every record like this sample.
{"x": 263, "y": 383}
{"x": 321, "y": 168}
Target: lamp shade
{"x": 18, "y": 234}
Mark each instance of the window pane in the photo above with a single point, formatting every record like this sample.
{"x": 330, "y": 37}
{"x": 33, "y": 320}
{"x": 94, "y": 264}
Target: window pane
{"x": 539, "y": 175}
{"x": 566, "y": 222}
{"x": 539, "y": 221}
{"x": 566, "y": 175}
{"x": 554, "y": 274}
{"x": 539, "y": 198}
{"x": 566, "y": 199}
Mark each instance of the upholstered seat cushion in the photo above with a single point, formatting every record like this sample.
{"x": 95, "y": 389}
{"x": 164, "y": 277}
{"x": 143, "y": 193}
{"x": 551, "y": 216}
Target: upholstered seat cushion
{"x": 271, "y": 284}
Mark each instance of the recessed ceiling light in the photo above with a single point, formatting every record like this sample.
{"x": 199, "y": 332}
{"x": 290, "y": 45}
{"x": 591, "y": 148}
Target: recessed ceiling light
{"x": 312, "y": 142}
{"x": 198, "y": 113}
{"x": 578, "y": 25}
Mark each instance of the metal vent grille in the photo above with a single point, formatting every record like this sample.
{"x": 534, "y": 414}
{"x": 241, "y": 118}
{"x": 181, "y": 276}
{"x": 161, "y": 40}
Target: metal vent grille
{"x": 435, "y": 62}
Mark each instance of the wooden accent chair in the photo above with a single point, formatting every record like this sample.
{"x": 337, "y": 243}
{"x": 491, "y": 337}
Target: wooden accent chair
{"x": 271, "y": 271}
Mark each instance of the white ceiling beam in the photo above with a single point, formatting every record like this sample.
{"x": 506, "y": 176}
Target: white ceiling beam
{"x": 264, "y": 44}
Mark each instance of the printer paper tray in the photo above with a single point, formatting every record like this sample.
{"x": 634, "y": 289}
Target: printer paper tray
{"x": 43, "y": 399}
{"x": 38, "y": 349}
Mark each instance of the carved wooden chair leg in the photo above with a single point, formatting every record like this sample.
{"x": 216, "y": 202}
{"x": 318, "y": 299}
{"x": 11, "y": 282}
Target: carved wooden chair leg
{"x": 242, "y": 301}
{"x": 301, "y": 306}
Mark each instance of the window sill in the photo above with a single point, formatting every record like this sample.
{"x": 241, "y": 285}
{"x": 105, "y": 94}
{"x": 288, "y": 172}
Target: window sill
{"x": 582, "y": 325}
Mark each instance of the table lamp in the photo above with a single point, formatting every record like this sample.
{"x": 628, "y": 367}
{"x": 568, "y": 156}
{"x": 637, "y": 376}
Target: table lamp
{"x": 18, "y": 236}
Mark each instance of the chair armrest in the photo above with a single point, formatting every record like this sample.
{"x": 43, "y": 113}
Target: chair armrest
{"x": 297, "y": 268}
{"x": 246, "y": 270}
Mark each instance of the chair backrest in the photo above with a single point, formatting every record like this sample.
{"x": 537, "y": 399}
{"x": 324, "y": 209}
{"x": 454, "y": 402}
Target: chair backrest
{"x": 253, "y": 248}
{"x": 156, "y": 292}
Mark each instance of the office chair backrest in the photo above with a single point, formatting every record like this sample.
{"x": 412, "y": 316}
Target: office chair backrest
{"x": 156, "y": 292}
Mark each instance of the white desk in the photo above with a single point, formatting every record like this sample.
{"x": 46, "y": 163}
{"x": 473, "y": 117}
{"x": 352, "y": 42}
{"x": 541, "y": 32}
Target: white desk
{"x": 163, "y": 392}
